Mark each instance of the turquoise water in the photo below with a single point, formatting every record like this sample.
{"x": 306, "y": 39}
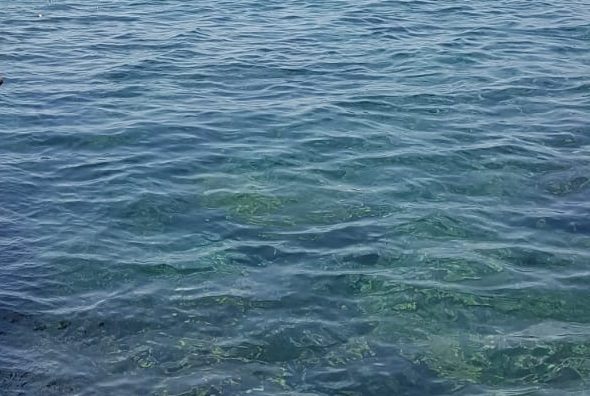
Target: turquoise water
{"x": 295, "y": 197}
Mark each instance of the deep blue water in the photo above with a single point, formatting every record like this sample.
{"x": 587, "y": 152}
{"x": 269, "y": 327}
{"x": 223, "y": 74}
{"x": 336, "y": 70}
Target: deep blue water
{"x": 294, "y": 197}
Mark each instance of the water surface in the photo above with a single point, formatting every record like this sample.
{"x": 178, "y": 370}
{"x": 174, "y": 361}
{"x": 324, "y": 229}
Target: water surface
{"x": 294, "y": 197}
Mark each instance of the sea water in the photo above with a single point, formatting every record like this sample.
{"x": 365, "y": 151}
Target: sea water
{"x": 294, "y": 197}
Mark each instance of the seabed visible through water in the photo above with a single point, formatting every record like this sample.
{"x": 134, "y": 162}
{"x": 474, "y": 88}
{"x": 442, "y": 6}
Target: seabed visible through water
{"x": 295, "y": 197}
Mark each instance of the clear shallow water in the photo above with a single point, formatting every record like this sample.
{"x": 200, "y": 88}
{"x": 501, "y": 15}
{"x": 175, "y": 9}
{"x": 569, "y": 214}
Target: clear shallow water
{"x": 294, "y": 197}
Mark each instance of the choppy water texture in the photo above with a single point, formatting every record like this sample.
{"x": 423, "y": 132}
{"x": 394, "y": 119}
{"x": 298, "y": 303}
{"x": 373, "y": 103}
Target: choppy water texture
{"x": 294, "y": 197}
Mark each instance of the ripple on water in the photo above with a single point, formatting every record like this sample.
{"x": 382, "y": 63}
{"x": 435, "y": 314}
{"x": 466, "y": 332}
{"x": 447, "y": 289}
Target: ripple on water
{"x": 296, "y": 197}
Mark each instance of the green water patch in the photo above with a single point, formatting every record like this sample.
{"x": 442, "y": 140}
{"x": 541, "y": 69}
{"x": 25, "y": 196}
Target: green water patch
{"x": 568, "y": 186}
{"x": 208, "y": 262}
{"x": 249, "y": 207}
{"x": 311, "y": 359}
{"x": 505, "y": 359}
{"x": 435, "y": 225}
{"x": 456, "y": 333}
{"x": 528, "y": 256}
{"x": 329, "y": 212}
{"x": 431, "y": 263}
{"x": 259, "y": 198}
